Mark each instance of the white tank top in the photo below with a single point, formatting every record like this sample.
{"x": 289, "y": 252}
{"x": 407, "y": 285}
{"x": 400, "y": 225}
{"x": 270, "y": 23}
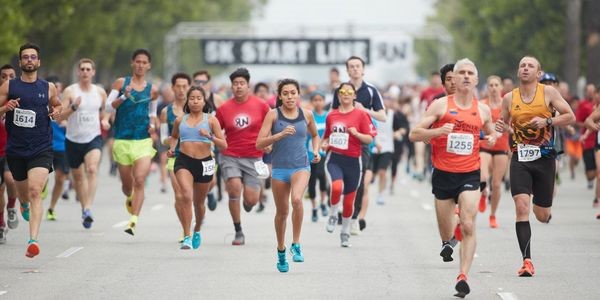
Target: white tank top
{"x": 84, "y": 124}
{"x": 385, "y": 133}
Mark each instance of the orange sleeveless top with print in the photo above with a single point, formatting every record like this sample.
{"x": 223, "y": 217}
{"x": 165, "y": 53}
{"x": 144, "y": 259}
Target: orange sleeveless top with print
{"x": 521, "y": 115}
{"x": 502, "y": 142}
{"x": 458, "y": 152}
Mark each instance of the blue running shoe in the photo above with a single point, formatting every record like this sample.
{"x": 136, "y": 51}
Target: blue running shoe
{"x": 87, "y": 219}
{"x": 282, "y": 264}
{"x": 187, "y": 243}
{"x": 25, "y": 211}
{"x": 196, "y": 240}
{"x": 296, "y": 252}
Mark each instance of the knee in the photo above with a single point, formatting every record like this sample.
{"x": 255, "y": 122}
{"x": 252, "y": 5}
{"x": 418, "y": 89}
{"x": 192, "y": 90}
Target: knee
{"x": 33, "y": 192}
{"x": 522, "y": 208}
{"x": 282, "y": 214}
{"x": 139, "y": 181}
{"x": 542, "y": 215}
{"x": 92, "y": 170}
{"x": 467, "y": 227}
{"x": 186, "y": 196}
{"x": 296, "y": 202}
{"x": 178, "y": 195}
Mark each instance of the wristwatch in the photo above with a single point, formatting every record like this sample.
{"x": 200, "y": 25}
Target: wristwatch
{"x": 549, "y": 122}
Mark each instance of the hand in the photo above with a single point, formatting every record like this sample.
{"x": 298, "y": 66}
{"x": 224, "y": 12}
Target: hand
{"x": 170, "y": 153}
{"x": 352, "y": 131}
{"x": 54, "y": 112}
{"x": 128, "y": 90}
{"x": 268, "y": 149}
{"x": 325, "y": 146}
{"x": 151, "y": 130}
{"x": 77, "y": 102}
{"x": 446, "y": 129}
{"x": 316, "y": 157}
{"x": 105, "y": 124}
{"x": 491, "y": 139}
{"x": 538, "y": 122}
{"x": 12, "y": 104}
{"x": 203, "y": 132}
{"x": 500, "y": 125}
{"x": 288, "y": 130}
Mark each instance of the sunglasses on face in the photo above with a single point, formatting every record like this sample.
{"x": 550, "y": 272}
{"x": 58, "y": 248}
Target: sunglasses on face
{"x": 29, "y": 57}
{"x": 346, "y": 92}
{"x": 200, "y": 82}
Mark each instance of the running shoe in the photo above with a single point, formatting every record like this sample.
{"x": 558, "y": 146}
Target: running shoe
{"x": 282, "y": 264}
{"x": 25, "y": 211}
{"x": 595, "y": 203}
{"x": 3, "y": 232}
{"x": 212, "y": 202}
{"x": 129, "y": 204}
{"x": 196, "y": 240}
{"x": 315, "y": 215}
{"x": 362, "y": 224}
{"x": 261, "y": 207}
{"x": 187, "y": 243}
{"x": 239, "y": 239}
{"x": 324, "y": 210}
{"x": 13, "y": 220}
{"x": 33, "y": 249}
{"x": 87, "y": 219}
{"x": 247, "y": 207}
{"x": 458, "y": 233}
{"x": 597, "y": 217}
{"x": 345, "y": 239}
{"x": 131, "y": 228}
{"x": 181, "y": 237}
{"x": 380, "y": 200}
{"x": 331, "y": 224}
{"x": 163, "y": 189}
{"x": 354, "y": 227}
{"x": 50, "y": 216}
{"x": 65, "y": 195}
{"x": 493, "y": 222}
{"x": 462, "y": 287}
{"x": 296, "y": 252}
{"x": 446, "y": 252}
{"x": 482, "y": 203}
{"x": 527, "y": 270}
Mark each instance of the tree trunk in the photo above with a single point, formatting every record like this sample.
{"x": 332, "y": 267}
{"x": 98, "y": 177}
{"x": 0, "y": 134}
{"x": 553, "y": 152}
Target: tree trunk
{"x": 573, "y": 40}
{"x": 593, "y": 41}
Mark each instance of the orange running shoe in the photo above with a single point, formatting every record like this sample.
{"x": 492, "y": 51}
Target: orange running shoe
{"x": 493, "y": 222}
{"x": 482, "y": 203}
{"x": 462, "y": 288}
{"x": 527, "y": 270}
{"x": 458, "y": 233}
{"x": 33, "y": 249}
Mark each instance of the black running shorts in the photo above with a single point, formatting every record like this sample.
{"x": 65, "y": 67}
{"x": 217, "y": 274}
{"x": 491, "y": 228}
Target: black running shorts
{"x": 447, "y": 185}
{"x": 533, "y": 178}
{"x": 19, "y": 166}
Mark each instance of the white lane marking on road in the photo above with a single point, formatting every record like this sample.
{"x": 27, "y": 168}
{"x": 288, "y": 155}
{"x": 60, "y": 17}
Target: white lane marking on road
{"x": 427, "y": 206}
{"x": 69, "y": 252}
{"x": 120, "y": 224}
{"x": 507, "y": 296}
{"x": 157, "y": 207}
{"x": 3, "y": 292}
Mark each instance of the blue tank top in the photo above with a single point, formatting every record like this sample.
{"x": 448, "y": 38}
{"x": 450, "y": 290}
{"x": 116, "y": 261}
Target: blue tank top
{"x": 192, "y": 134}
{"x": 290, "y": 152}
{"x": 28, "y": 126}
{"x": 171, "y": 117}
{"x": 131, "y": 120}
{"x": 58, "y": 141}
{"x": 320, "y": 123}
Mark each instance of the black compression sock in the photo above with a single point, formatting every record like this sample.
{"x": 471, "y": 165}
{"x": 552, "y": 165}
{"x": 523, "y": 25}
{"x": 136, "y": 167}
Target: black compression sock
{"x": 524, "y": 238}
{"x": 238, "y": 227}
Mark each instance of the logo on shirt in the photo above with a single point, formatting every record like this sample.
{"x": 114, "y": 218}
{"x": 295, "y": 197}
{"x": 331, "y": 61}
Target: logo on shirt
{"x": 41, "y": 95}
{"x": 517, "y": 107}
{"x": 453, "y": 112}
{"x": 339, "y": 127}
{"x": 241, "y": 121}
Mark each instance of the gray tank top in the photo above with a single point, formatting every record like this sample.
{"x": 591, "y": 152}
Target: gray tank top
{"x": 290, "y": 152}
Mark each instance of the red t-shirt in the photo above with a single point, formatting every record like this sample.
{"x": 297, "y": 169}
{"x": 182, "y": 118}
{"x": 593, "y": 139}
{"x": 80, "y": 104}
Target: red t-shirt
{"x": 337, "y": 124}
{"x": 3, "y": 137}
{"x": 242, "y": 122}
{"x": 429, "y": 94}
{"x": 584, "y": 110}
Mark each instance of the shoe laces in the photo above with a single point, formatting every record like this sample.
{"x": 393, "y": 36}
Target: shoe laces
{"x": 296, "y": 249}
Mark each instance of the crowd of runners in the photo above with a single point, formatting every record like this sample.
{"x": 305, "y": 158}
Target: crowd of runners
{"x": 325, "y": 143}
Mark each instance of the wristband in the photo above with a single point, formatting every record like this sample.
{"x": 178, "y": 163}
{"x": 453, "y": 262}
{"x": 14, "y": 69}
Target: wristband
{"x": 122, "y": 97}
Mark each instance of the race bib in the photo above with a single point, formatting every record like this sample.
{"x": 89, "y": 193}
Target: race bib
{"x": 460, "y": 143}
{"x": 208, "y": 167}
{"x": 24, "y": 118}
{"x": 528, "y": 152}
{"x": 262, "y": 169}
{"x": 87, "y": 119}
{"x": 339, "y": 140}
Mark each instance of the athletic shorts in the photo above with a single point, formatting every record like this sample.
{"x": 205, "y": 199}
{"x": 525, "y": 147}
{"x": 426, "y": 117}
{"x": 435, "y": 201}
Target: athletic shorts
{"x": 2, "y": 163}
{"x": 76, "y": 152}
{"x": 348, "y": 169}
{"x": 574, "y": 148}
{"x": 19, "y": 166}
{"x": 171, "y": 164}
{"x": 196, "y": 167}
{"x": 59, "y": 162}
{"x": 448, "y": 185}
{"x": 240, "y": 167}
{"x": 381, "y": 161}
{"x": 589, "y": 161}
{"x": 126, "y": 152}
{"x": 493, "y": 152}
{"x": 533, "y": 178}
{"x": 285, "y": 175}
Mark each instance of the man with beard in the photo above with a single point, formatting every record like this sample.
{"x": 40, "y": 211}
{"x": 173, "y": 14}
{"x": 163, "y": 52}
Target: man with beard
{"x": 29, "y": 103}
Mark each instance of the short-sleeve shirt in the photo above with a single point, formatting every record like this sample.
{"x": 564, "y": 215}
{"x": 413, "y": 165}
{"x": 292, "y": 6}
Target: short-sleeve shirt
{"x": 367, "y": 94}
{"x": 338, "y": 122}
{"x": 584, "y": 110}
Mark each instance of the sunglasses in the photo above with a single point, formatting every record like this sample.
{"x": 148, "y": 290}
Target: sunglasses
{"x": 29, "y": 57}
{"x": 346, "y": 92}
{"x": 200, "y": 82}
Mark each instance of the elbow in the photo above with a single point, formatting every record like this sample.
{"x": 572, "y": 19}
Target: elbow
{"x": 223, "y": 147}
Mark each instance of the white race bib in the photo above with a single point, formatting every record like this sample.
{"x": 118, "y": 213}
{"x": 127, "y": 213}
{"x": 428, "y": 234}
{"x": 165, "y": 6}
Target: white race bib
{"x": 528, "y": 152}
{"x": 262, "y": 169}
{"x": 88, "y": 119}
{"x": 24, "y": 118}
{"x": 208, "y": 167}
{"x": 460, "y": 143}
{"x": 339, "y": 140}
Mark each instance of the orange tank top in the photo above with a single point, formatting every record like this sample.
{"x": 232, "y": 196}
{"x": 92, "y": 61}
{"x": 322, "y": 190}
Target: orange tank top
{"x": 522, "y": 113}
{"x": 458, "y": 152}
{"x": 502, "y": 142}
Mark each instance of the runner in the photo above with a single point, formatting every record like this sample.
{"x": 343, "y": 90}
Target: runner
{"x": 134, "y": 100}
{"x": 29, "y": 103}
{"x": 241, "y": 118}
{"x": 592, "y": 125}
{"x": 7, "y": 72}
{"x": 317, "y": 170}
{"x": 286, "y": 128}
{"x": 347, "y": 129}
{"x": 261, "y": 90}
{"x": 452, "y": 124}
{"x": 584, "y": 110}
{"x": 84, "y": 104}
{"x": 59, "y": 164}
{"x": 195, "y": 132}
{"x": 494, "y": 159}
{"x": 528, "y": 111}
{"x": 180, "y": 84}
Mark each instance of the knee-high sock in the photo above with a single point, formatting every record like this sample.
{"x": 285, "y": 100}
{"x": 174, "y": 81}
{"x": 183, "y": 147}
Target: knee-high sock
{"x": 524, "y": 237}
